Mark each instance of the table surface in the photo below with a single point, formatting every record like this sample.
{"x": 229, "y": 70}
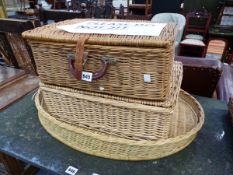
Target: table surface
{"x": 211, "y": 153}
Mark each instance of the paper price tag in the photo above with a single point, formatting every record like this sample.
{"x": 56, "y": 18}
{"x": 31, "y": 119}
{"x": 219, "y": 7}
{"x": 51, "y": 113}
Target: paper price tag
{"x": 87, "y": 76}
{"x": 71, "y": 170}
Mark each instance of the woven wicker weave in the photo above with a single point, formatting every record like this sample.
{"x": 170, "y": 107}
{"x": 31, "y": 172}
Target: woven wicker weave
{"x": 169, "y": 102}
{"x": 129, "y": 120}
{"x": 186, "y": 122}
{"x": 135, "y": 56}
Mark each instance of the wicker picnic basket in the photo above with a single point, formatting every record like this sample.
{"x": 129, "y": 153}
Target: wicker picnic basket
{"x": 124, "y": 119}
{"x": 187, "y": 120}
{"x": 129, "y": 59}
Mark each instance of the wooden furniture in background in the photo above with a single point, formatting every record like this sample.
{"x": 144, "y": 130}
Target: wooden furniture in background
{"x": 225, "y": 17}
{"x": 14, "y": 166}
{"x": 13, "y": 47}
{"x": 223, "y": 28}
{"x": 229, "y": 58}
{"x": 197, "y": 23}
{"x": 200, "y": 76}
{"x": 196, "y": 29}
{"x": 191, "y": 48}
{"x": 137, "y": 9}
{"x": 57, "y": 4}
{"x": 14, "y": 84}
{"x": 216, "y": 48}
{"x": 58, "y": 15}
{"x": 8, "y": 75}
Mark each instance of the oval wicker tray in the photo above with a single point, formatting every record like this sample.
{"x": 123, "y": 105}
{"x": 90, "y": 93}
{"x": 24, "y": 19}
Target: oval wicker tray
{"x": 187, "y": 121}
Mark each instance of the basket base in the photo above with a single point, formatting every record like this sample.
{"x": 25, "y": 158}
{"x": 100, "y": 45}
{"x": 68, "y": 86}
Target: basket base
{"x": 108, "y": 146}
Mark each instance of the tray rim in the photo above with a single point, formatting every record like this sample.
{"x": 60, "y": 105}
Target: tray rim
{"x": 122, "y": 140}
{"x": 188, "y": 137}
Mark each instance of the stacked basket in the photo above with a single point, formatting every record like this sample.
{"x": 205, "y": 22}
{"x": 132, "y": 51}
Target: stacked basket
{"x": 133, "y": 109}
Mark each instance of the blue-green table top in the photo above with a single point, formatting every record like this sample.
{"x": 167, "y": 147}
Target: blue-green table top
{"x": 211, "y": 153}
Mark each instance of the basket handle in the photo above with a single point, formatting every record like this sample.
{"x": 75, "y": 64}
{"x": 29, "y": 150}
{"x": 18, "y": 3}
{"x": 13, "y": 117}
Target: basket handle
{"x": 96, "y": 75}
{"x": 76, "y": 64}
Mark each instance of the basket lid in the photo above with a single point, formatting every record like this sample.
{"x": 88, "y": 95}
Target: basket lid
{"x": 51, "y": 33}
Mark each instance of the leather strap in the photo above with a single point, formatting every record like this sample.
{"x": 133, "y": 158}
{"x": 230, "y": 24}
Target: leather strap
{"x": 79, "y": 54}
